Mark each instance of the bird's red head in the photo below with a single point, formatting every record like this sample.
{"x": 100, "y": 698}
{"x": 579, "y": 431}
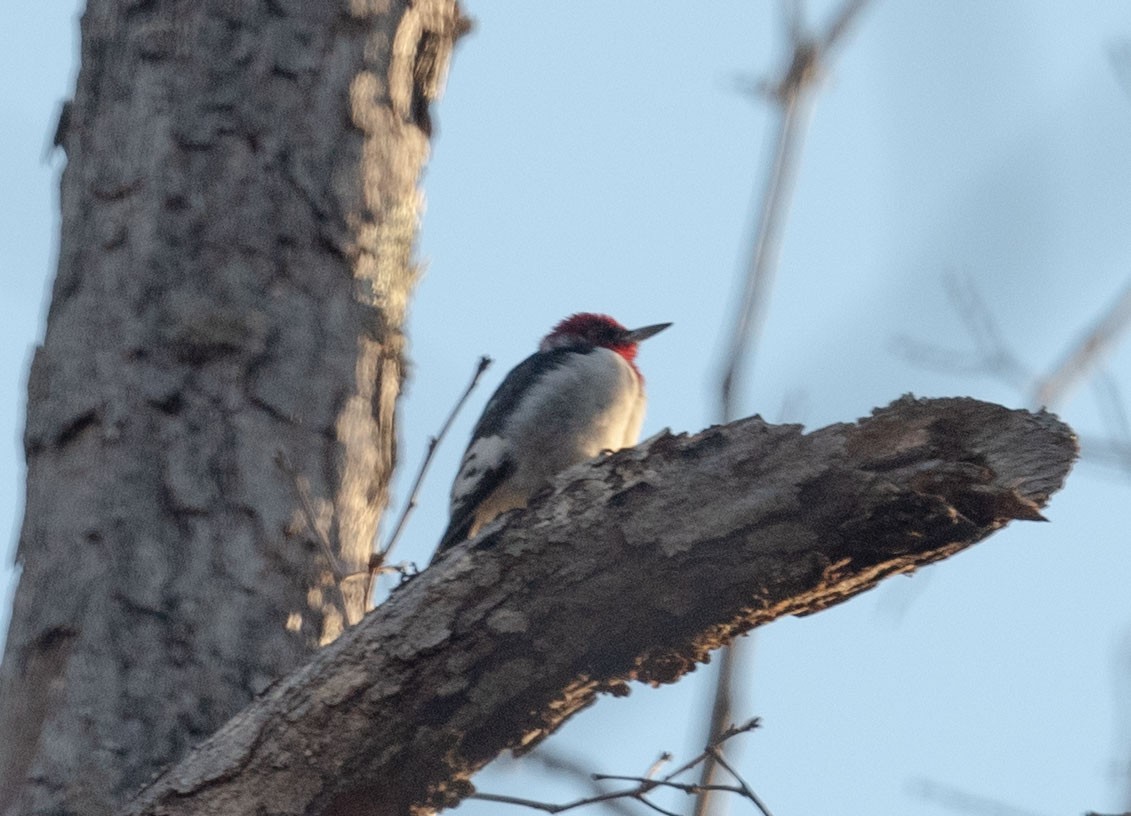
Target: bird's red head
{"x": 586, "y": 330}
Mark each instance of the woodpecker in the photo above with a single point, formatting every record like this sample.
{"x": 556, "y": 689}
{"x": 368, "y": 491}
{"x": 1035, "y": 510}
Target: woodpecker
{"x": 578, "y": 395}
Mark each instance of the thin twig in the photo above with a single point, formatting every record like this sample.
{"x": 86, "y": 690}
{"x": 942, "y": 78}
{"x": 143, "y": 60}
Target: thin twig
{"x": 1086, "y": 353}
{"x": 763, "y": 259}
{"x": 721, "y": 709}
{"x": 637, "y": 792}
{"x": 377, "y": 561}
{"x": 548, "y": 807}
{"x": 992, "y": 355}
{"x": 935, "y": 357}
{"x": 734, "y": 730}
{"x": 643, "y": 800}
{"x": 685, "y": 787}
{"x": 747, "y": 791}
{"x": 644, "y": 785}
{"x": 558, "y": 763}
{"x": 302, "y": 490}
{"x": 662, "y": 760}
{"x": 719, "y": 739}
{"x": 433, "y": 443}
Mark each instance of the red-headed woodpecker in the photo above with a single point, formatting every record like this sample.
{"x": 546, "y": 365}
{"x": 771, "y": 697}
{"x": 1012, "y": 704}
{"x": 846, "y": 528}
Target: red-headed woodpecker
{"x": 578, "y": 395}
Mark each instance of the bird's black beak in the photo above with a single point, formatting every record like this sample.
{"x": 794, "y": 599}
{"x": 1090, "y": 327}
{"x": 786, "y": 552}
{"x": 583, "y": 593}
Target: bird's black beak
{"x": 636, "y": 335}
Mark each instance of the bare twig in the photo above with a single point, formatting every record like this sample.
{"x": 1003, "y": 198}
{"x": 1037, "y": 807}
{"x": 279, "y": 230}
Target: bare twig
{"x": 643, "y": 785}
{"x": 1086, "y": 353}
{"x": 302, "y": 490}
{"x": 721, "y": 709}
{"x": 1084, "y": 357}
{"x": 763, "y": 259}
{"x": 301, "y": 487}
{"x": 686, "y": 787}
{"x": 638, "y": 792}
{"x": 717, "y": 739}
{"x": 717, "y": 754}
{"x": 992, "y": 355}
{"x": 558, "y": 763}
{"x": 734, "y": 730}
{"x": 656, "y": 807}
{"x": 935, "y": 357}
{"x": 548, "y": 807}
{"x": 662, "y": 760}
{"x": 378, "y": 559}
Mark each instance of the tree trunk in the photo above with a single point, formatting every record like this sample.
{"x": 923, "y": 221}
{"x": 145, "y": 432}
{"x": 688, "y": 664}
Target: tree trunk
{"x": 238, "y": 215}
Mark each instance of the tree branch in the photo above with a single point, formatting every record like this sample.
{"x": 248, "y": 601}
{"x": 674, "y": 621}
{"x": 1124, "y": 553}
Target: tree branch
{"x": 634, "y": 567}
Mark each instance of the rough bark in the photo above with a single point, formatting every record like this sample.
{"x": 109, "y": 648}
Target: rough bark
{"x": 633, "y": 568}
{"x": 239, "y": 209}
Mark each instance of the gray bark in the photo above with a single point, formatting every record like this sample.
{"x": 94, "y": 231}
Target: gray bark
{"x": 633, "y": 568}
{"x": 238, "y": 215}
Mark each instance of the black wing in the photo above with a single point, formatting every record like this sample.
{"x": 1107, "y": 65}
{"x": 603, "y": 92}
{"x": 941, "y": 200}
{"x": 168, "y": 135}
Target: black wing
{"x": 489, "y": 472}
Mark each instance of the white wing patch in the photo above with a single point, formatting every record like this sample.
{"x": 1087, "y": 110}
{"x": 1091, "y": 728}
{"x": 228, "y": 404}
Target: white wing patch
{"x": 485, "y": 454}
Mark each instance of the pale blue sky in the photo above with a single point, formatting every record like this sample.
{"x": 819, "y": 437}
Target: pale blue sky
{"x": 593, "y": 156}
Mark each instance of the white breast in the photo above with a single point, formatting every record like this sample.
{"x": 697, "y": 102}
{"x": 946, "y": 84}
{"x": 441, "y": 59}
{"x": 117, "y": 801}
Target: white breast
{"x": 593, "y": 403}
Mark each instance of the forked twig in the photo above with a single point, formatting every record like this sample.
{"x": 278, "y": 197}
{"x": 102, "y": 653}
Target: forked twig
{"x": 722, "y": 707}
{"x": 643, "y": 785}
{"x": 378, "y": 559}
{"x": 992, "y": 355}
{"x": 559, "y": 764}
{"x": 747, "y": 791}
